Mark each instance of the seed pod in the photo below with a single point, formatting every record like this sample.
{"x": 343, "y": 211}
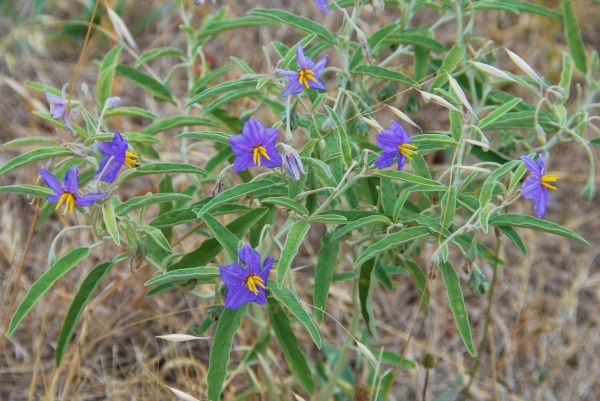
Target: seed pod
{"x": 478, "y": 283}
{"x": 428, "y": 361}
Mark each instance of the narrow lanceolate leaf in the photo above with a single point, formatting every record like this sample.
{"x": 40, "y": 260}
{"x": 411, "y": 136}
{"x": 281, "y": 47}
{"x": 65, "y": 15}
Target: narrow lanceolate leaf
{"x": 533, "y": 8}
{"x": 391, "y": 241}
{"x": 34, "y": 156}
{"x": 289, "y": 345}
{"x": 420, "y": 281}
{"x": 365, "y": 221}
{"x": 290, "y": 301}
{"x": 326, "y": 265}
{"x": 111, "y": 222}
{"x": 290, "y": 249}
{"x": 457, "y": 304}
{"x": 106, "y": 75}
{"x": 219, "y": 137}
{"x": 416, "y": 39}
{"x": 32, "y": 140}
{"x": 297, "y": 21}
{"x": 518, "y": 174}
{"x": 365, "y": 295}
{"x": 484, "y": 216}
{"x": 384, "y": 73}
{"x": 234, "y": 193}
{"x": 87, "y": 288}
{"x": 159, "y": 237}
{"x": 565, "y": 77}
{"x": 208, "y": 78}
{"x": 448, "y": 207}
{"x": 573, "y": 34}
{"x": 159, "y": 168}
{"x": 145, "y": 82}
{"x": 287, "y": 203}
{"x": 517, "y": 220}
{"x": 497, "y": 113}
{"x": 488, "y": 186}
{"x": 515, "y": 237}
{"x": 145, "y": 201}
{"x": 228, "y": 241}
{"x": 176, "y": 122}
{"x": 229, "y": 323}
{"x": 216, "y": 26}
{"x": 342, "y": 137}
{"x": 43, "y": 284}
{"x": 454, "y": 56}
{"x": 130, "y": 112}
{"x": 408, "y": 177}
{"x": 184, "y": 275}
{"x": 154, "y": 54}
{"x": 229, "y": 98}
{"x": 388, "y": 195}
{"x": 225, "y": 87}
{"x": 25, "y": 189}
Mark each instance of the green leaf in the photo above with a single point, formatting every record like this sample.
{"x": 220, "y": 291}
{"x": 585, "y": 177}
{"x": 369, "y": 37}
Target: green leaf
{"x": 159, "y": 52}
{"x": 454, "y": 56}
{"x": 130, "y": 112}
{"x": 229, "y": 323}
{"x": 34, "y": 156}
{"x": 145, "y": 201}
{"x": 159, "y": 237}
{"x": 517, "y": 220}
{"x": 321, "y": 169}
{"x": 223, "y": 88}
{"x": 230, "y": 98}
{"x": 130, "y": 136}
{"x": 533, "y": 8}
{"x": 287, "y": 298}
{"x": 565, "y": 77}
{"x": 384, "y": 73}
{"x": 326, "y": 265}
{"x": 106, "y": 75}
{"x": 391, "y": 241}
{"x": 484, "y": 216}
{"x": 233, "y": 193}
{"x": 497, "y": 113}
{"x": 111, "y": 222}
{"x": 289, "y": 345}
{"x": 488, "y": 186}
{"x": 228, "y": 241}
{"x": 420, "y": 281}
{"x": 365, "y": 295}
{"x": 25, "y": 189}
{"x": 382, "y": 33}
{"x": 87, "y": 288}
{"x": 304, "y": 24}
{"x": 219, "y": 137}
{"x": 176, "y": 122}
{"x": 431, "y": 139}
{"x": 448, "y": 207}
{"x": 574, "y": 40}
{"x": 210, "y": 248}
{"x": 344, "y": 145}
{"x": 158, "y": 289}
{"x": 183, "y": 275}
{"x": 404, "y": 176}
{"x": 32, "y": 140}
{"x": 328, "y": 219}
{"x": 494, "y": 5}
{"x": 415, "y": 39}
{"x": 287, "y": 203}
{"x": 211, "y": 76}
{"x": 159, "y": 168}
{"x": 43, "y": 284}
{"x": 221, "y": 25}
{"x": 388, "y": 195}
{"x": 365, "y": 221}
{"x": 457, "y": 304}
{"x": 145, "y": 82}
{"x": 290, "y": 249}
{"x": 515, "y": 237}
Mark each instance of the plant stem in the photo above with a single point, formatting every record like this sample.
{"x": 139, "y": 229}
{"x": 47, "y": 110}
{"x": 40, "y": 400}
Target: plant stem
{"x": 425, "y": 385}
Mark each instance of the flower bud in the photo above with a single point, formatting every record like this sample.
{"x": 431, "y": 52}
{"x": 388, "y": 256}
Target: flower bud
{"x": 478, "y": 283}
{"x": 111, "y": 102}
{"x": 214, "y": 312}
{"x": 328, "y": 125}
{"x": 364, "y": 45}
{"x": 428, "y": 361}
{"x": 292, "y": 162}
{"x": 378, "y": 6}
{"x": 219, "y": 185}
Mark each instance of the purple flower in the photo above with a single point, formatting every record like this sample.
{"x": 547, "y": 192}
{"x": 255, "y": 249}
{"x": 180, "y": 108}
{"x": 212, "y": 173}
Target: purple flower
{"x": 255, "y": 146}
{"x": 292, "y": 162}
{"x": 536, "y": 185}
{"x": 323, "y": 6}
{"x": 309, "y": 74}
{"x": 116, "y": 155}
{"x": 59, "y": 106}
{"x": 246, "y": 284}
{"x": 395, "y": 142}
{"x": 67, "y": 194}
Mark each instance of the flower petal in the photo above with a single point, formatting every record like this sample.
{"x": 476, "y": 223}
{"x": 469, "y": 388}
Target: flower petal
{"x": 323, "y": 6}
{"x": 287, "y": 74}
{"x": 541, "y": 202}
{"x": 292, "y": 87}
{"x": 58, "y": 111}
{"x": 52, "y": 98}
{"x": 255, "y": 130}
{"x": 388, "y": 140}
{"x": 250, "y": 258}
{"x": 233, "y": 274}
{"x": 320, "y": 66}
{"x": 386, "y": 159}
{"x": 317, "y": 85}
{"x": 266, "y": 269}
{"x": 401, "y": 161}
{"x": 241, "y": 144}
{"x": 51, "y": 180}
{"x": 72, "y": 180}
{"x": 237, "y": 296}
{"x": 401, "y": 133}
{"x": 300, "y": 58}
{"x": 53, "y": 198}
{"x": 89, "y": 199}
{"x": 64, "y": 92}
{"x": 68, "y": 123}
{"x": 275, "y": 160}
{"x": 531, "y": 165}
{"x": 243, "y": 161}
{"x": 531, "y": 188}
{"x": 542, "y": 164}
{"x": 270, "y": 136}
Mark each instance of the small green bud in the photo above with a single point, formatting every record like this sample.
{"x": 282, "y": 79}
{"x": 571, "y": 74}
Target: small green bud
{"x": 478, "y": 283}
{"x": 412, "y": 104}
{"x": 328, "y": 125}
{"x": 428, "y": 361}
{"x": 214, "y": 312}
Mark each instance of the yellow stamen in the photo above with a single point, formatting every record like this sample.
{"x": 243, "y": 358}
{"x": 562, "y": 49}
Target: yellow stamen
{"x": 69, "y": 201}
{"x": 304, "y": 76}
{"x": 131, "y": 159}
{"x": 253, "y": 281}
{"x": 406, "y": 150}
{"x": 549, "y": 178}
{"x": 258, "y": 152}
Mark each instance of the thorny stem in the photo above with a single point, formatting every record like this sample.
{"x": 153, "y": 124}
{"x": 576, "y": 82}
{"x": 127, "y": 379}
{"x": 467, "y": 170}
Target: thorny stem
{"x": 488, "y": 318}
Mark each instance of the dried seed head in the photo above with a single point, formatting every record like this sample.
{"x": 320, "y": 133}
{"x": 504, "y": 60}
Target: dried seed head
{"x": 428, "y": 361}
{"x": 433, "y": 267}
{"x": 361, "y": 393}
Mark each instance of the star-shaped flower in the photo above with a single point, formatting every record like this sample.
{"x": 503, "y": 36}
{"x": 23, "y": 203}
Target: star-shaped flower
{"x": 59, "y": 106}
{"x": 536, "y": 185}
{"x": 255, "y": 146}
{"x": 68, "y": 194}
{"x": 116, "y": 155}
{"x": 246, "y": 284}
{"x": 308, "y": 75}
{"x": 395, "y": 143}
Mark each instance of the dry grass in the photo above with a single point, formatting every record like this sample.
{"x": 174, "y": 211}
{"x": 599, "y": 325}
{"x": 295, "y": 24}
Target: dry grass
{"x": 545, "y": 312}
